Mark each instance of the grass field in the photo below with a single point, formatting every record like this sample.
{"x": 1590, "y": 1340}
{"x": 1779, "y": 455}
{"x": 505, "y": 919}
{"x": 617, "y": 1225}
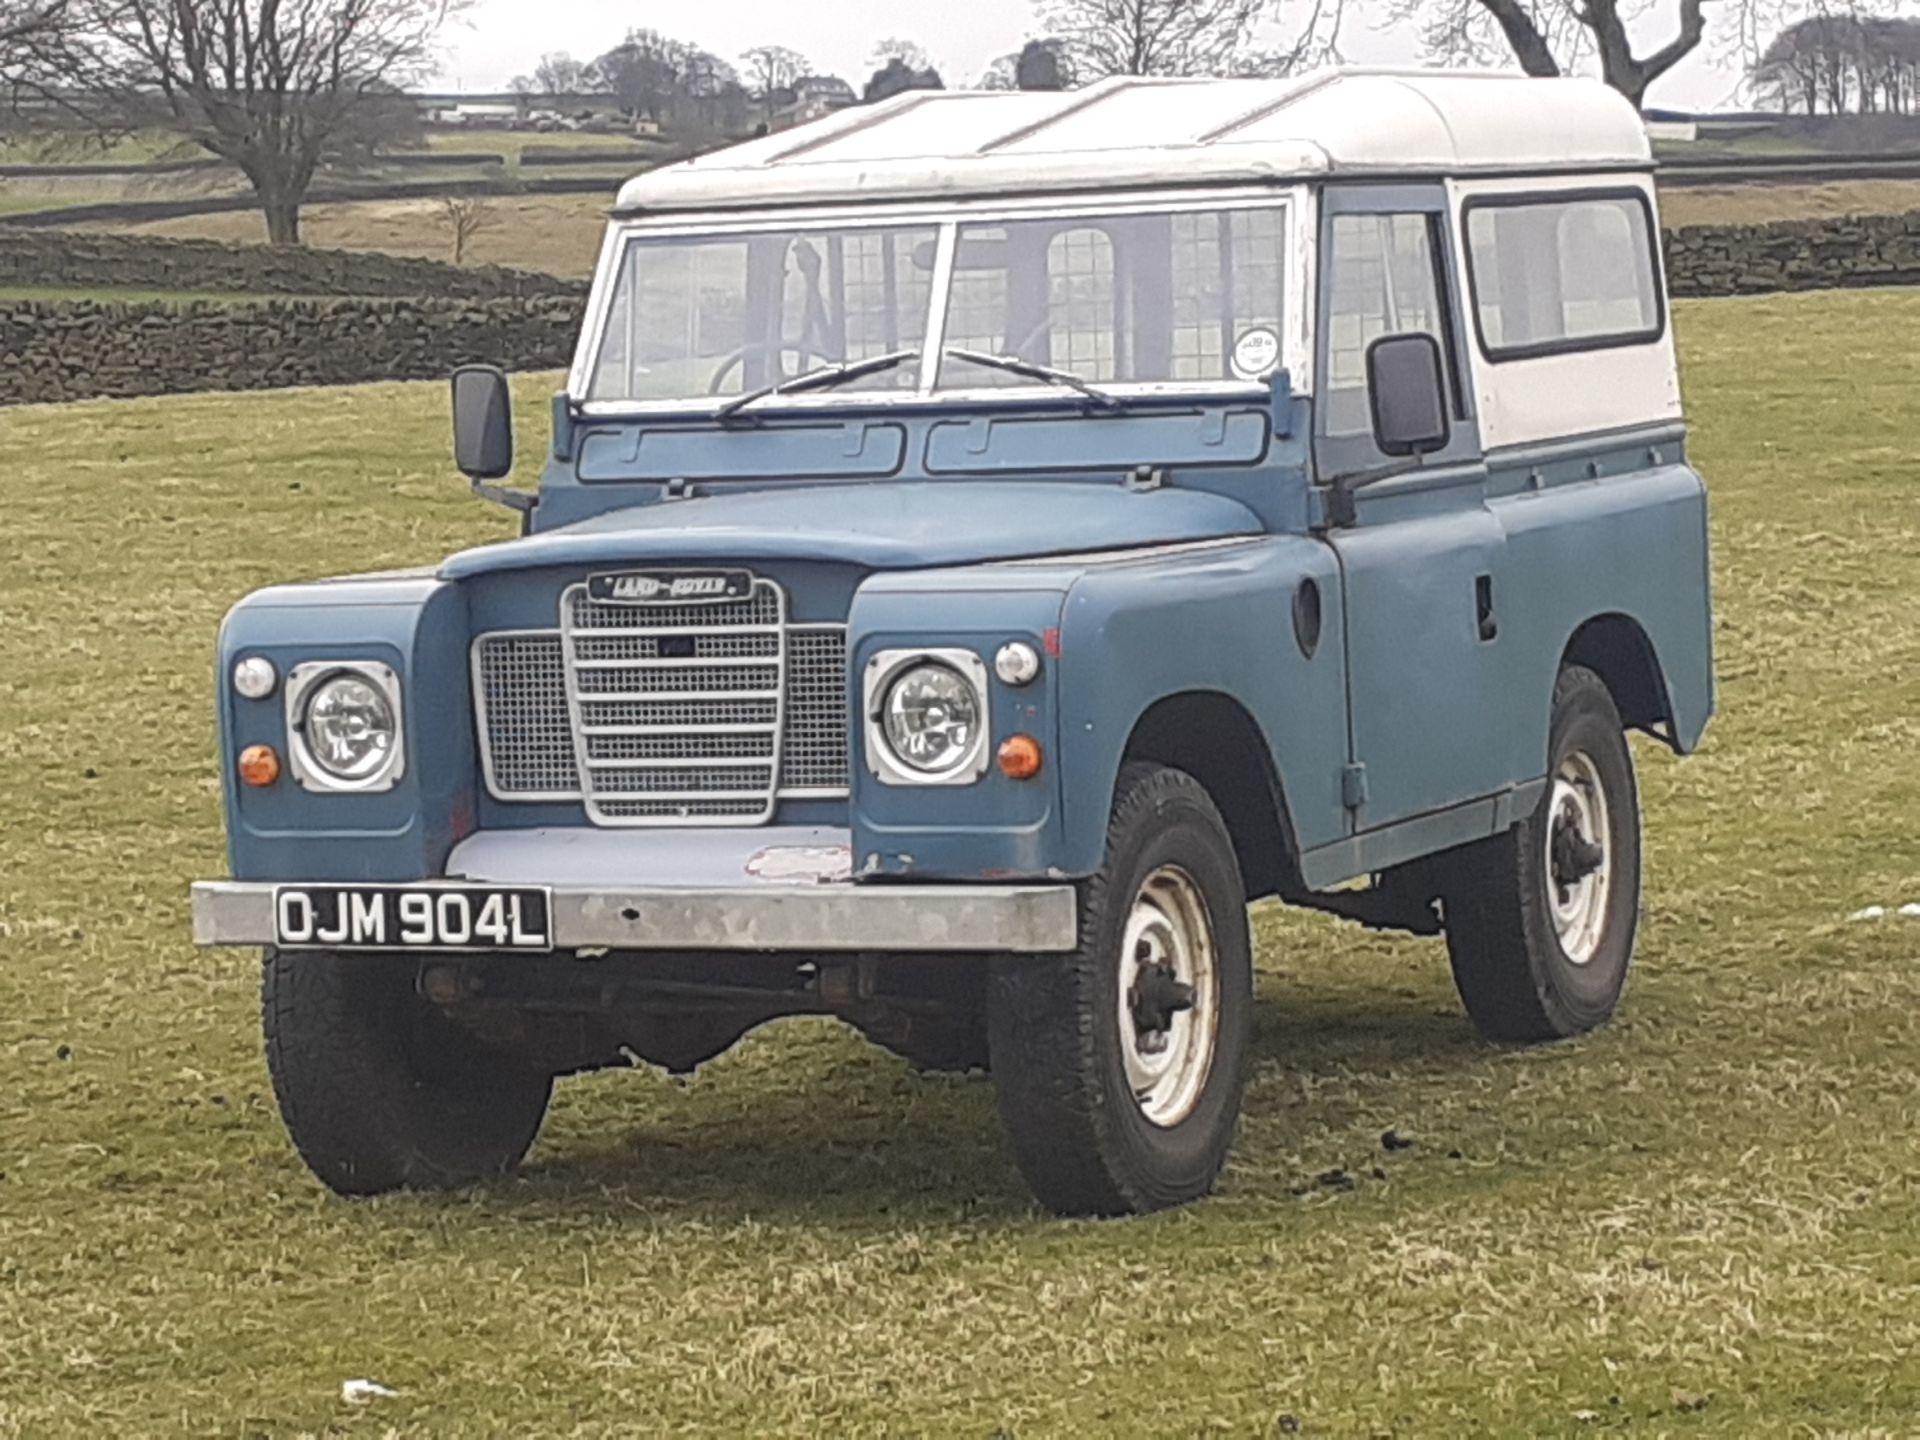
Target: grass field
{"x": 1756, "y": 204}
{"x": 556, "y": 233}
{"x": 1702, "y": 1221}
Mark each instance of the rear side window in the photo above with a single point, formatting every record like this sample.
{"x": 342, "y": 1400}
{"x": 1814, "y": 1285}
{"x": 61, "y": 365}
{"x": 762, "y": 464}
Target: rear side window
{"x": 1555, "y": 276}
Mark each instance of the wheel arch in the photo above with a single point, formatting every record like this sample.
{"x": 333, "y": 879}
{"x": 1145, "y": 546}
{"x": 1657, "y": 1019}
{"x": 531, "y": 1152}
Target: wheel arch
{"x": 1616, "y": 647}
{"x": 1215, "y": 739}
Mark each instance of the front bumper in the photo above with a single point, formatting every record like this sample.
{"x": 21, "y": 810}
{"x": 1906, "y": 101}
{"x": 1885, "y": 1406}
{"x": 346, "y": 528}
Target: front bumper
{"x": 816, "y": 918}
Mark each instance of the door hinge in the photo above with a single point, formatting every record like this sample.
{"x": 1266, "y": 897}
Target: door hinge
{"x": 1353, "y": 785}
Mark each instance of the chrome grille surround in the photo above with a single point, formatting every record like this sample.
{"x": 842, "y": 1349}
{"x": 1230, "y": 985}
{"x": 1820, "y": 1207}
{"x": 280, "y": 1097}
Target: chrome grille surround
{"x": 745, "y": 710}
{"x": 722, "y": 654}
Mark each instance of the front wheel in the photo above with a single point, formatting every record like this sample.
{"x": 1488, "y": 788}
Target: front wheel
{"x": 1541, "y": 921}
{"x": 379, "y": 1090}
{"x": 1118, "y": 1069}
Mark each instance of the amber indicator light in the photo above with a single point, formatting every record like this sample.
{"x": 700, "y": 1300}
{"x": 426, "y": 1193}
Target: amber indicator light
{"x": 259, "y": 765}
{"x": 1020, "y": 757}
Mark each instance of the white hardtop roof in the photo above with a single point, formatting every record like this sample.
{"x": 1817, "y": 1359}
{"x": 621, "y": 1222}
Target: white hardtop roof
{"x": 1130, "y": 132}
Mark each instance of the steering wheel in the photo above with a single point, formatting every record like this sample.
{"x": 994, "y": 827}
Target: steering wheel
{"x": 718, "y": 383}
{"x": 1026, "y": 341}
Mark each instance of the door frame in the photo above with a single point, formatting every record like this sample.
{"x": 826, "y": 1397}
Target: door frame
{"x": 1334, "y": 457}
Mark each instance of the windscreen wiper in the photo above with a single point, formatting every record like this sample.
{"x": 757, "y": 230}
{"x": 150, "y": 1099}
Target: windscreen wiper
{"x": 1033, "y": 370}
{"x": 819, "y": 379}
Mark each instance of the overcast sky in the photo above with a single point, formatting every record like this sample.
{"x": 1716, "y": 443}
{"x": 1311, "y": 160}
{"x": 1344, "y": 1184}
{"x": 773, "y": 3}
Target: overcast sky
{"x": 499, "y": 39}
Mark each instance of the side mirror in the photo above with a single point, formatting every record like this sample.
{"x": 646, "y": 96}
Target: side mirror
{"x": 1407, "y": 386}
{"x": 482, "y": 422}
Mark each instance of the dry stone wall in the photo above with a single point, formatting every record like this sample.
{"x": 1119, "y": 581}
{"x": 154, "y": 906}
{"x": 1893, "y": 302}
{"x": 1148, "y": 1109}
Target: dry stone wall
{"x": 77, "y": 351}
{"x": 1835, "y": 253}
{"x": 82, "y": 260}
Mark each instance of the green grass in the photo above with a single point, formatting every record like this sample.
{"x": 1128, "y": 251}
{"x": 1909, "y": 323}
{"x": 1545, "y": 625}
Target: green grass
{"x": 1701, "y": 1221}
{"x": 77, "y": 147}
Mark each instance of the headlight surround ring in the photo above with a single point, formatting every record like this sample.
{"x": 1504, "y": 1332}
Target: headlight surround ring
{"x": 934, "y": 701}
{"x": 337, "y": 712}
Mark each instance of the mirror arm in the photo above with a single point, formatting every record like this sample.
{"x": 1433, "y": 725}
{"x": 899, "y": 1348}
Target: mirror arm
{"x": 519, "y": 501}
{"x": 1340, "y": 507}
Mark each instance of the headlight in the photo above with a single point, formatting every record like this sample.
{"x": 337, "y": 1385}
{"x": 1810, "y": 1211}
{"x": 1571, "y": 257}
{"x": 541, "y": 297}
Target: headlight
{"x": 927, "y": 717}
{"x": 932, "y": 717}
{"x": 345, "y": 720}
{"x": 350, "y": 728}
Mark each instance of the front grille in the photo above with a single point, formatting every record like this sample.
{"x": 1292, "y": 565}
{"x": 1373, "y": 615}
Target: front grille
{"x": 675, "y": 714}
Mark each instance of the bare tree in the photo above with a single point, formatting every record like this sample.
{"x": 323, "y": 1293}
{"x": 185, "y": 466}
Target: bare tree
{"x": 913, "y": 56}
{"x": 1842, "y": 63}
{"x": 559, "y": 74}
{"x": 275, "y": 87}
{"x": 1182, "y": 37}
{"x": 642, "y": 73}
{"x": 465, "y": 216}
{"x": 772, "y": 69}
{"x": 1552, "y": 37}
{"x": 35, "y": 44}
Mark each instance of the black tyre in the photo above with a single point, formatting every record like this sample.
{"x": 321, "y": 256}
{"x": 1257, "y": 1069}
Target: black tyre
{"x": 1541, "y": 920}
{"x": 1118, "y": 1069}
{"x": 378, "y": 1090}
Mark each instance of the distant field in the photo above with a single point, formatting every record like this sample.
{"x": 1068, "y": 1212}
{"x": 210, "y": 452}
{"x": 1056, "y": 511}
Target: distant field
{"x": 557, "y": 233}
{"x": 79, "y": 149}
{"x": 1699, "y": 1222}
{"x": 25, "y": 194}
{"x": 623, "y": 157}
{"x": 561, "y": 233}
{"x": 1755, "y": 204}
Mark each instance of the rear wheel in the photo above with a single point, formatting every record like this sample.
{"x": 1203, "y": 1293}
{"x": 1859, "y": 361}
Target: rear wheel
{"x": 378, "y": 1090}
{"x": 1118, "y": 1069}
{"x": 1541, "y": 921}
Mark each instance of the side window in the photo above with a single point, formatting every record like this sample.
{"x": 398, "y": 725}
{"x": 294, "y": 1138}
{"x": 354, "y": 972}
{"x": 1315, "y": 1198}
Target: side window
{"x": 1383, "y": 280}
{"x": 1554, "y": 276}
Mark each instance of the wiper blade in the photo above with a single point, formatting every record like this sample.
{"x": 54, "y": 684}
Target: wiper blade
{"x": 1033, "y": 370}
{"x": 819, "y": 379}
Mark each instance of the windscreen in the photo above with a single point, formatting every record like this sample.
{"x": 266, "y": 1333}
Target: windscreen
{"x": 1189, "y": 296}
{"x": 1158, "y": 295}
{"x": 720, "y": 315}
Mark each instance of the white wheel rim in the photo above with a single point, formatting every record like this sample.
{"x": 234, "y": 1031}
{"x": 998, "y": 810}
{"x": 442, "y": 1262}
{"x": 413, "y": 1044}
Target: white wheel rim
{"x": 1169, "y": 996}
{"x": 1578, "y": 860}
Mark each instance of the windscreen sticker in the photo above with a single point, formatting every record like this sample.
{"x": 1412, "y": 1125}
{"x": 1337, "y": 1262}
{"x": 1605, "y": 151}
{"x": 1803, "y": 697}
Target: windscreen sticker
{"x": 1255, "y": 353}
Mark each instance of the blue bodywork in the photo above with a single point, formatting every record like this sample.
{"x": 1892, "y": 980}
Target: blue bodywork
{"x": 1158, "y": 558}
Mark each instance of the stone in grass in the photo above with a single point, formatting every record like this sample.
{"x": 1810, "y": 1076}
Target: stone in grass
{"x": 1394, "y": 1140}
{"x": 360, "y": 1392}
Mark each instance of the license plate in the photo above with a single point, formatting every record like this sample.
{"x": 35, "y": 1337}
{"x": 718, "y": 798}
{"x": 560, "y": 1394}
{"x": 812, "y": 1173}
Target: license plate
{"x": 412, "y": 917}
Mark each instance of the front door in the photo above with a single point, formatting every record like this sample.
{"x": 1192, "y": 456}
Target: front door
{"x": 1421, "y": 561}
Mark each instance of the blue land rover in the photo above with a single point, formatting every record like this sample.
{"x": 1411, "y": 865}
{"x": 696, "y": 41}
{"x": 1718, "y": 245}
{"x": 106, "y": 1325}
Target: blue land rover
{"x": 986, "y": 541}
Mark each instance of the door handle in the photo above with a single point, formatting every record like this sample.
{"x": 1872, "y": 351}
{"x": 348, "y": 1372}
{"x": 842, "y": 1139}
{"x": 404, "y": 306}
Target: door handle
{"x": 1483, "y": 607}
